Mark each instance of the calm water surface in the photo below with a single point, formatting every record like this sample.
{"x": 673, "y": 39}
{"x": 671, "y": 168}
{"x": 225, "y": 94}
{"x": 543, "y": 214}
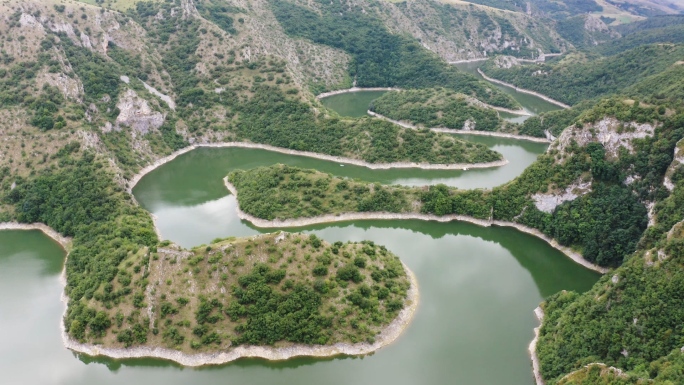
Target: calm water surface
{"x": 478, "y": 285}
{"x": 352, "y": 104}
{"x": 355, "y": 104}
{"x": 478, "y": 289}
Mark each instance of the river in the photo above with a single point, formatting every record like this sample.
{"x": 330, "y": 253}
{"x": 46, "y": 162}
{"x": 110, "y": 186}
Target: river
{"x": 352, "y": 104}
{"x": 478, "y": 285}
{"x": 355, "y": 104}
{"x": 530, "y": 103}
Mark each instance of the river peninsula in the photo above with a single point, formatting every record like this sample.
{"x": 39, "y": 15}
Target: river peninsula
{"x": 382, "y": 301}
{"x": 328, "y": 199}
{"x": 384, "y": 297}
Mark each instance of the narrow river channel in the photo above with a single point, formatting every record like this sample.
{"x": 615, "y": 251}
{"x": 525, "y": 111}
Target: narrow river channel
{"x": 478, "y": 285}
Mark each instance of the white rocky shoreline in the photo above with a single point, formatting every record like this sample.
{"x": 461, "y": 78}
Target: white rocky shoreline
{"x": 65, "y": 242}
{"x": 469, "y": 132}
{"x": 522, "y": 90}
{"x": 301, "y": 222}
{"x": 339, "y": 159}
{"x": 536, "y": 366}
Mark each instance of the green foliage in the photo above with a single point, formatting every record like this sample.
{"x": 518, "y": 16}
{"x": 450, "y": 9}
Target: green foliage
{"x": 573, "y": 29}
{"x": 131, "y": 64}
{"x": 560, "y": 9}
{"x": 573, "y": 82}
{"x": 173, "y": 336}
{"x": 665, "y": 88}
{"x": 349, "y": 272}
{"x": 173, "y": 139}
{"x": 287, "y": 192}
{"x": 554, "y": 121}
{"x": 271, "y": 117}
{"x": 606, "y": 224}
{"x": 509, "y": 5}
{"x": 615, "y": 317}
{"x": 119, "y": 143}
{"x": 81, "y": 200}
{"x": 435, "y": 108}
{"x": 97, "y": 74}
{"x": 180, "y": 38}
{"x": 381, "y": 59}
{"x": 218, "y": 13}
{"x": 313, "y": 296}
{"x": 636, "y": 309}
{"x": 659, "y": 29}
{"x": 272, "y": 317}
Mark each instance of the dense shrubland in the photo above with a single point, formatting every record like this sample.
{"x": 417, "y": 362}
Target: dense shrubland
{"x": 274, "y": 289}
{"x": 287, "y": 192}
{"x": 271, "y": 117}
{"x": 79, "y": 199}
{"x": 631, "y": 318}
{"x": 555, "y": 9}
{"x": 436, "y": 108}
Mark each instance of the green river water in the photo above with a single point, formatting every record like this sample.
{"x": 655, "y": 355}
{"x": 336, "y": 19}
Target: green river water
{"x": 478, "y": 285}
{"x": 355, "y": 104}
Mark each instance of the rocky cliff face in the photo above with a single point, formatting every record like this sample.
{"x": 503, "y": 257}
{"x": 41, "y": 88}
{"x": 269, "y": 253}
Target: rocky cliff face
{"x": 136, "y": 113}
{"x": 461, "y": 31}
{"x": 610, "y": 132}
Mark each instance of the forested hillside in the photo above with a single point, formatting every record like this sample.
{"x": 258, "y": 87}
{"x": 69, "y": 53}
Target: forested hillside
{"x": 459, "y": 30}
{"x": 660, "y": 29}
{"x": 380, "y": 59}
{"x": 626, "y": 10}
{"x": 578, "y": 78}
